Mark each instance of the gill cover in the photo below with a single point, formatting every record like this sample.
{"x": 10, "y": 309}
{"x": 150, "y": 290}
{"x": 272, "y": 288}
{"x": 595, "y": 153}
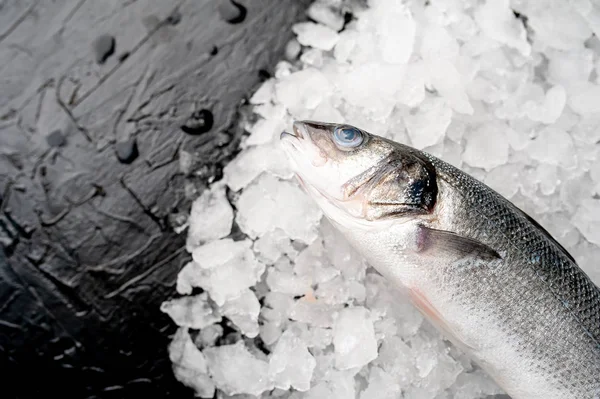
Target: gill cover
{"x": 402, "y": 184}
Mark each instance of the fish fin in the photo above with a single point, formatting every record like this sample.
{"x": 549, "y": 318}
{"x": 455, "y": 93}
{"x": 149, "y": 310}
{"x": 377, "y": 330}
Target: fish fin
{"x": 423, "y": 304}
{"x": 429, "y": 240}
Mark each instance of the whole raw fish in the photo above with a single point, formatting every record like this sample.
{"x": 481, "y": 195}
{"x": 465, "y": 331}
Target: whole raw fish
{"x": 486, "y": 274}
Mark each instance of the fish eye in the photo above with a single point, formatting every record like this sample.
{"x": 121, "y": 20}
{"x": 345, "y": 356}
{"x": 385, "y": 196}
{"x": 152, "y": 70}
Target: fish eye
{"x": 347, "y": 136}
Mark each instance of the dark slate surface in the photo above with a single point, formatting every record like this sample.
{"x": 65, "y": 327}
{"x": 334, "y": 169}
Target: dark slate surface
{"x": 87, "y": 251}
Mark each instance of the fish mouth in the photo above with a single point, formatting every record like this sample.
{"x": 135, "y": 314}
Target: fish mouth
{"x": 298, "y": 132}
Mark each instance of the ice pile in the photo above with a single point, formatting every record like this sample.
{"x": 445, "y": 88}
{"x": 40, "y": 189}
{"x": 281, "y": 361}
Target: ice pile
{"x": 506, "y": 90}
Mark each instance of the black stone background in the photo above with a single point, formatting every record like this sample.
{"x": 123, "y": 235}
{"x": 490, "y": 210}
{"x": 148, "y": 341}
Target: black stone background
{"x": 87, "y": 205}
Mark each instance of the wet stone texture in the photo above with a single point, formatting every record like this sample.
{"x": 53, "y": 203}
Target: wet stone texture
{"x": 93, "y": 105}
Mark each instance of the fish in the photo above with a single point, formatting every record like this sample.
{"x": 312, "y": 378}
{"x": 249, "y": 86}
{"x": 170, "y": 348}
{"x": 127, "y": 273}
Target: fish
{"x": 486, "y": 274}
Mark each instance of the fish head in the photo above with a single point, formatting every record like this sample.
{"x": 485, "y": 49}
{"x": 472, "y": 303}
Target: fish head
{"x": 359, "y": 178}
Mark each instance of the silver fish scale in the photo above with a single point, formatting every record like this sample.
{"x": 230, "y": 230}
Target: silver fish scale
{"x": 548, "y": 259}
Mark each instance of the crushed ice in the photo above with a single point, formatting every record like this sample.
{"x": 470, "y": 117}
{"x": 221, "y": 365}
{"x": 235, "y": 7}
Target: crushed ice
{"x": 506, "y": 90}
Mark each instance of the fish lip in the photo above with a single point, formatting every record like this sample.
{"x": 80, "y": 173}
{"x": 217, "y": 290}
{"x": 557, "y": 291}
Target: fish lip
{"x": 297, "y": 133}
{"x": 286, "y": 135}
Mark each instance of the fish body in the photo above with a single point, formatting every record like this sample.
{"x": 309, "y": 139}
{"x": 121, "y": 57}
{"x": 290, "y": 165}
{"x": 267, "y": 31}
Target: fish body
{"x": 481, "y": 270}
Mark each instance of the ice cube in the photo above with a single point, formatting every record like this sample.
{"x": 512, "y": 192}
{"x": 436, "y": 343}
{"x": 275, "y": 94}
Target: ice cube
{"x": 236, "y": 371}
{"x": 475, "y": 384}
{"x": 382, "y": 299}
{"x": 211, "y": 217}
{"x": 570, "y": 68}
{"x": 381, "y": 385}
{"x": 587, "y": 219}
{"x": 253, "y": 162}
{"x": 412, "y": 91}
{"x": 303, "y": 90}
{"x": 588, "y": 130}
{"x": 227, "y": 275}
{"x": 291, "y": 364}
{"x": 324, "y": 14}
{"x": 503, "y": 179}
{"x": 552, "y": 107}
{"x": 209, "y": 335}
{"x": 396, "y": 30}
{"x": 315, "y": 35}
{"x": 595, "y": 176}
{"x": 314, "y": 337}
{"x": 313, "y": 312}
{"x": 327, "y": 112}
{"x": 270, "y": 203}
{"x": 487, "y": 146}
{"x": 337, "y": 386}
{"x": 312, "y": 57}
{"x": 354, "y": 338}
{"x": 518, "y": 135}
{"x": 438, "y": 44}
{"x": 274, "y": 315}
{"x": 265, "y": 130}
{"x": 292, "y": 49}
{"x": 553, "y": 146}
{"x": 272, "y": 245}
{"x": 574, "y": 188}
{"x": 559, "y": 26}
{"x": 341, "y": 254}
{"x": 334, "y": 292}
{"x": 398, "y": 359}
{"x": 452, "y": 153}
{"x": 312, "y": 262}
{"x": 497, "y": 20}
{"x": 547, "y": 178}
{"x": 191, "y": 311}
{"x": 243, "y": 312}
{"x": 219, "y": 252}
{"x": 587, "y": 256}
{"x": 427, "y": 124}
{"x": 189, "y": 364}
{"x": 585, "y": 99}
{"x": 288, "y": 283}
{"x": 345, "y": 45}
{"x": 371, "y": 87}
{"x": 265, "y": 93}
{"x": 439, "y": 51}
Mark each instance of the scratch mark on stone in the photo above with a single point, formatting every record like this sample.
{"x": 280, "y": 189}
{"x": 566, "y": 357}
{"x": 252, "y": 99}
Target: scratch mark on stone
{"x": 121, "y": 218}
{"x": 38, "y": 162}
{"x": 10, "y": 325}
{"x": 170, "y": 159}
{"x": 92, "y": 193}
{"x": 67, "y": 111}
{"x": 73, "y": 11}
{"x": 147, "y": 211}
{"x": 124, "y": 258}
{"x": 6, "y": 195}
{"x": 144, "y": 274}
{"x": 55, "y": 219}
{"x": 53, "y": 316}
{"x": 123, "y": 111}
{"x": 18, "y": 22}
{"x": 10, "y": 300}
{"x": 68, "y": 293}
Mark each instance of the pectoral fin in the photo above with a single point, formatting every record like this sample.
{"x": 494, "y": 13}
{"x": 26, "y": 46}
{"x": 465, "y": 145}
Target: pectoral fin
{"x": 438, "y": 242}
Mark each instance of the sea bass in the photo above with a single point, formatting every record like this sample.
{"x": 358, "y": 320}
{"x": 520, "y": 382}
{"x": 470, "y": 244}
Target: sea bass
{"x": 485, "y": 273}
